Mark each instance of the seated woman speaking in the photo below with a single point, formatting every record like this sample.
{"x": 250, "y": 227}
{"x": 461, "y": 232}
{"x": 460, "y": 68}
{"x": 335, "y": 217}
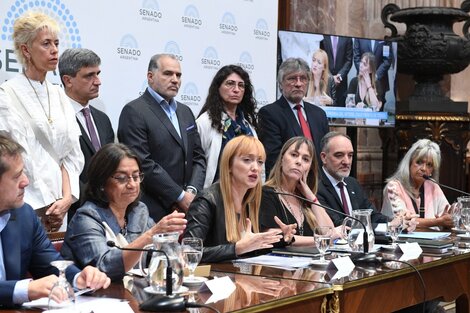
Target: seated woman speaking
{"x": 225, "y": 215}
{"x": 112, "y": 211}
{"x": 295, "y": 172}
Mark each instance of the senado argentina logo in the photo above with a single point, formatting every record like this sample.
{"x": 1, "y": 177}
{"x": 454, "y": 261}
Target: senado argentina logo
{"x": 210, "y": 60}
{"x": 228, "y": 24}
{"x": 128, "y": 48}
{"x": 261, "y": 30}
{"x": 261, "y": 98}
{"x": 69, "y": 34}
{"x": 190, "y": 95}
{"x": 246, "y": 62}
{"x": 150, "y": 11}
{"x": 191, "y": 17}
{"x": 172, "y": 47}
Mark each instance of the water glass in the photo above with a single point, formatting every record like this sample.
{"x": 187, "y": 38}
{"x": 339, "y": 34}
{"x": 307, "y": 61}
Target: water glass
{"x": 192, "y": 253}
{"x": 322, "y": 236}
{"x": 62, "y": 294}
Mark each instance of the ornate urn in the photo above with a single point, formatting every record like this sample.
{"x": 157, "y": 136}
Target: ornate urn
{"x": 428, "y": 50}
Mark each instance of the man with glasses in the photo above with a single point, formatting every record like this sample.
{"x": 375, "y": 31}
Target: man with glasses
{"x": 79, "y": 71}
{"x": 290, "y": 116}
{"x": 164, "y": 135}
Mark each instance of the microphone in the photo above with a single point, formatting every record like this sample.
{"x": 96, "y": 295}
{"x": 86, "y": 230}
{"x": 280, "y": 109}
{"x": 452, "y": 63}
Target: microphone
{"x": 445, "y": 186}
{"x": 365, "y": 234}
{"x": 169, "y": 302}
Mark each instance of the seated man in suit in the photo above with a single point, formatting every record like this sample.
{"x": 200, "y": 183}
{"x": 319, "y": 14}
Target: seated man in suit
{"x": 290, "y": 116}
{"x": 163, "y": 133}
{"x": 24, "y": 246}
{"x": 79, "y": 71}
{"x": 338, "y": 190}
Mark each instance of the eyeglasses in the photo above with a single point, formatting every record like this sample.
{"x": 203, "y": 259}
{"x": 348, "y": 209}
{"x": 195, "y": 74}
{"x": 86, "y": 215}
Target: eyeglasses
{"x": 231, "y": 84}
{"x": 293, "y": 79}
{"x": 124, "y": 179}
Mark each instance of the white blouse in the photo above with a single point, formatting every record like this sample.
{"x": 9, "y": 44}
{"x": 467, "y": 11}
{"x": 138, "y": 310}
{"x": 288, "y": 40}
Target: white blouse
{"x": 63, "y": 135}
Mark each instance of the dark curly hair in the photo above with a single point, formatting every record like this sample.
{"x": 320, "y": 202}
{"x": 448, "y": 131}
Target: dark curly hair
{"x": 214, "y": 104}
{"x": 102, "y": 166}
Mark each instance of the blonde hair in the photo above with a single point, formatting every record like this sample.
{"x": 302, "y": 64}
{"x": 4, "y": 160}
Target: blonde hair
{"x": 276, "y": 176}
{"x": 239, "y": 146}
{"x": 26, "y": 29}
{"x": 323, "y": 57}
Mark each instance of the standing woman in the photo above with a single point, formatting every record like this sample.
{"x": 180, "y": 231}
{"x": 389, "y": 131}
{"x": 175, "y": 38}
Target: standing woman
{"x": 364, "y": 86}
{"x": 225, "y": 215}
{"x": 38, "y": 115}
{"x": 229, "y": 111}
{"x": 321, "y": 87}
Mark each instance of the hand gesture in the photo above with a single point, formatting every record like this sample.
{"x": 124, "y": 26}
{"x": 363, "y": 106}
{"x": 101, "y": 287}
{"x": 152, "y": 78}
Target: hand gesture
{"x": 445, "y": 219}
{"x": 174, "y": 222}
{"x": 254, "y": 241}
{"x": 287, "y": 230}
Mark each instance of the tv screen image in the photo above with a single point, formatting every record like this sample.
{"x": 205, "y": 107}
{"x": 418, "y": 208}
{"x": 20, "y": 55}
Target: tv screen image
{"x": 353, "y": 79}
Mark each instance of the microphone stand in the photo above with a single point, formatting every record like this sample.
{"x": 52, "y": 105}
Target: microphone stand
{"x": 445, "y": 186}
{"x": 365, "y": 234}
{"x": 169, "y": 302}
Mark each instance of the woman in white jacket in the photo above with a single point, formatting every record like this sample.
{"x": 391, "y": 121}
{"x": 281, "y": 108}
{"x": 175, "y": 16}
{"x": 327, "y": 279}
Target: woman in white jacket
{"x": 229, "y": 111}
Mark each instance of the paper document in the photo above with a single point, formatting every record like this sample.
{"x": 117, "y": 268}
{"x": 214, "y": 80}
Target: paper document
{"x": 277, "y": 261}
{"x": 426, "y": 235}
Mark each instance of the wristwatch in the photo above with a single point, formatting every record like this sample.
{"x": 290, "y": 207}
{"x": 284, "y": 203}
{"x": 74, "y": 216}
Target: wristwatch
{"x": 191, "y": 189}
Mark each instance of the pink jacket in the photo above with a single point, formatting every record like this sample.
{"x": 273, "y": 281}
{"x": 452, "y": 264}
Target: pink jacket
{"x": 396, "y": 198}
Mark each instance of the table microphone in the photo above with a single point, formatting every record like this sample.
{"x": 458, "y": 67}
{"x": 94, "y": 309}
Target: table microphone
{"x": 361, "y": 257}
{"x": 445, "y": 186}
{"x": 164, "y": 303}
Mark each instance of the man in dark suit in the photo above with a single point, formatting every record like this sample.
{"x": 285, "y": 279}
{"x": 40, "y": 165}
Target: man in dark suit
{"x": 336, "y": 155}
{"x": 164, "y": 134}
{"x": 383, "y": 53}
{"x": 283, "y": 119}
{"x": 79, "y": 71}
{"x": 24, "y": 246}
{"x": 339, "y": 63}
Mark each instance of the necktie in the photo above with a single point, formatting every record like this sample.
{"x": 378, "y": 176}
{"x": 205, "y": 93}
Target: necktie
{"x": 303, "y": 122}
{"x": 335, "y": 46}
{"x": 343, "y": 198}
{"x": 91, "y": 129}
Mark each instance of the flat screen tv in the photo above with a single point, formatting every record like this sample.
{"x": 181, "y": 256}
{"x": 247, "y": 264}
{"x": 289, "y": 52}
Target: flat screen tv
{"x": 349, "y": 102}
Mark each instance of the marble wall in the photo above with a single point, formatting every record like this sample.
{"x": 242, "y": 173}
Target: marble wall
{"x": 361, "y": 18}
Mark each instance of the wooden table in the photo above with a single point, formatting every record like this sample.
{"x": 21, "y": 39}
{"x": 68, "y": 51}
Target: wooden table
{"x": 387, "y": 287}
{"x": 252, "y": 294}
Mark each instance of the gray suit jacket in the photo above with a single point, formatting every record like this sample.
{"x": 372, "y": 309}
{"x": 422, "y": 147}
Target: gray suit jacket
{"x": 170, "y": 162}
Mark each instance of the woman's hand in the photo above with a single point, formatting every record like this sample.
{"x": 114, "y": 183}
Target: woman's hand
{"x": 326, "y": 100}
{"x": 287, "y": 230}
{"x": 56, "y": 213}
{"x": 305, "y": 190}
{"x": 445, "y": 219}
{"x": 254, "y": 241}
{"x": 174, "y": 222}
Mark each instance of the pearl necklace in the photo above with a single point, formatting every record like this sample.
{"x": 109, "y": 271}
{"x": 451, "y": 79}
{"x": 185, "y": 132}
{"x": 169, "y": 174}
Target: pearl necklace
{"x": 48, "y": 116}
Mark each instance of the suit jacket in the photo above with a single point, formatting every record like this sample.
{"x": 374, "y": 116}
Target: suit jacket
{"x": 170, "y": 162}
{"x": 344, "y": 57}
{"x": 26, "y": 249}
{"x": 277, "y": 124}
{"x": 106, "y": 135}
{"x": 382, "y": 62}
{"x": 327, "y": 195}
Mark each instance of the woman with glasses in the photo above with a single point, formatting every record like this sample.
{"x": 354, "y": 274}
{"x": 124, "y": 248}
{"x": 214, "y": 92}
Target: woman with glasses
{"x": 408, "y": 190}
{"x": 229, "y": 111}
{"x": 112, "y": 211}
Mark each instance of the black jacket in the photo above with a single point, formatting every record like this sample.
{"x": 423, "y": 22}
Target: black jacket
{"x": 206, "y": 220}
{"x": 327, "y": 195}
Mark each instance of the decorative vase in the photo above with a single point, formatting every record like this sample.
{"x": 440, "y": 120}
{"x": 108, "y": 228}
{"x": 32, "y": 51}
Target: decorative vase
{"x": 428, "y": 50}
